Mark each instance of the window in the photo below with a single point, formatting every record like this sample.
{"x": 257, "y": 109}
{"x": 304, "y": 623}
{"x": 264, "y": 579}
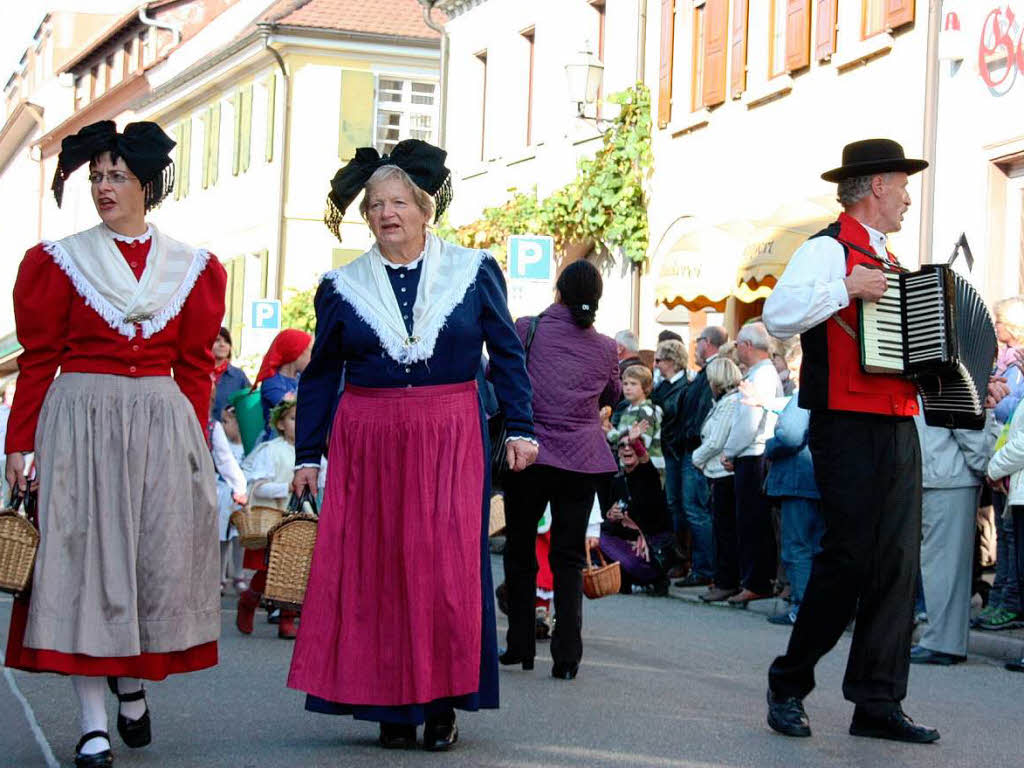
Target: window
{"x": 342, "y": 256}
{"x": 529, "y": 37}
{"x": 80, "y": 94}
{"x": 882, "y": 15}
{"x": 271, "y": 86}
{"x": 482, "y": 58}
{"x": 405, "y": 110}
{"x": 129, "y": 59}
{"x": 211, "y": 146}
{"x": 94, "y": 87}
{"x": 234, "y": 300}
{"x": 825, "y": 31}
{"x": 778, "y": 47}
{"x": 697, "y": 71}
{"x": 182, "y": 158}
{"x": 738, "y": 65}
{"x": 242, "y": 106}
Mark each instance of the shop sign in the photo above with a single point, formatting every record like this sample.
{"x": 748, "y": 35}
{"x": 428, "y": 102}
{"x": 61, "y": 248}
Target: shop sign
{"x": 1001, "y": 50}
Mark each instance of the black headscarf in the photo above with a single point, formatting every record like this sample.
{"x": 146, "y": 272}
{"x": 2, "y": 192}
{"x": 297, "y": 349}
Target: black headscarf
{"x": 423, "y": 162}
{"x": 143, "y": 146}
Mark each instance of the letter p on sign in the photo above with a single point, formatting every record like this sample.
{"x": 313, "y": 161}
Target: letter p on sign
{"x": 265, "y": 314}
{"x": 530, "y": 257}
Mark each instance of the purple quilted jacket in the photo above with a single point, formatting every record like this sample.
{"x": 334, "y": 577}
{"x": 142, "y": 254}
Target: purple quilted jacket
{"x": 574, "y": 371}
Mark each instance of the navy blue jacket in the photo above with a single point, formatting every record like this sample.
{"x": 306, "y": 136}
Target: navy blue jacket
{"x": 232, "y": 380}
{"x": 792, "y": 470}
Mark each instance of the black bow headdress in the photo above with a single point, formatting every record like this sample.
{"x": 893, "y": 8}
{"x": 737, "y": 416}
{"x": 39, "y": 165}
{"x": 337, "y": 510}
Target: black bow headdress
{"x": 423, "y": 162}
{"x": 143, "y": 146}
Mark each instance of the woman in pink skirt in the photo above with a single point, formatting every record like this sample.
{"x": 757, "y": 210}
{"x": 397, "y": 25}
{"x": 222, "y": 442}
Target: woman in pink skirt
{"x": 398, "y": 622}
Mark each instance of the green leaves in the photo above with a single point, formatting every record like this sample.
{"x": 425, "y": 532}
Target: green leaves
{"x": 606, "y": 202}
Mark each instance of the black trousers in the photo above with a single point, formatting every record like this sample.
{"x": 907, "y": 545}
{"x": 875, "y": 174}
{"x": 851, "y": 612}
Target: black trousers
{"x": 571, "y": 495}
{"x": 755, "y": 538}
{"x": 723, "y": 526}
{"x": 868, "y": 470}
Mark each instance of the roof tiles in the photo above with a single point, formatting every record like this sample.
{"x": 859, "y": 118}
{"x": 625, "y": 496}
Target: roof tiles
{"x": 402, "y": 18}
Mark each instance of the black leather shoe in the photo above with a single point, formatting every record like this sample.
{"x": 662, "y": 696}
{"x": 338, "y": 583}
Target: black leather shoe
{"x": 395, "y": 736}
{"x": 921, "y": 655}
{"x": 440, "y": 733}
{"x": 134, "y": 733}
{"x": 896, "y": 726}
{"x": 1015, "y": 666}
{"x": 508, "y": 659}
{"x": 564, "y": 671}
{"x": 100, "y": 759}
{"x": 787, "y": 716}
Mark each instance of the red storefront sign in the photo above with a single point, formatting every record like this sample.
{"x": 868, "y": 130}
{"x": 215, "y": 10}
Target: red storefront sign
{"x": 1002, "y": 40}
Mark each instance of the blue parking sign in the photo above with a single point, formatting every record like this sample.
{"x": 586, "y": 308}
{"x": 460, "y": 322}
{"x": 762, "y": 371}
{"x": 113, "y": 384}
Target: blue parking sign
{"x": 265, "y": 314}
{"x": 530, "y": 257}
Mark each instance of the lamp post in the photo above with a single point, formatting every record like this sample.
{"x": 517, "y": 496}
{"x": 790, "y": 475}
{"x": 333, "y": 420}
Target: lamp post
{"x": 584, "y": 73}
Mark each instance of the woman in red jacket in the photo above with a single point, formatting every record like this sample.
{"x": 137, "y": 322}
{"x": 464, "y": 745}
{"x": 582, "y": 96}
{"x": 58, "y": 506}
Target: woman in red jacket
{"x": 125, "y": 584}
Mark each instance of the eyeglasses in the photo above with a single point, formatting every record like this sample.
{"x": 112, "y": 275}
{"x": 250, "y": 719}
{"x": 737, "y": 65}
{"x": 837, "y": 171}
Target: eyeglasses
{"x": 700, "y": 339}
{"x": 114, "y": 177}
{"x": 660, "y": 359}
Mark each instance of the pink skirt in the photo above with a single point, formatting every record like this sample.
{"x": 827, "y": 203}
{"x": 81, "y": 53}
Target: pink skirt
{"x": 392, "y": 612}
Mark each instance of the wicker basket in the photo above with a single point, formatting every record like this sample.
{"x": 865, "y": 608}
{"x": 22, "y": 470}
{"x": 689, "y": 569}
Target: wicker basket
{"x": 289, "y": 556}
{"x": 253, "y": 523}
{"x": 19, "y": 540}
{"x": 603, "y": 580}
{"x": 497, "y": 522}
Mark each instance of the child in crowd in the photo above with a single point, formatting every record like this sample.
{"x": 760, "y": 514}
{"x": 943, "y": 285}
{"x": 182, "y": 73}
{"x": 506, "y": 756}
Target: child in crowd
{"x": 268, "y": 470}
{"x": 226, "y": 444}
{"x": 637, "y": 383}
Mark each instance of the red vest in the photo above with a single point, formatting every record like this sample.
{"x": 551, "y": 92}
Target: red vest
{"x": 830, "y": 376}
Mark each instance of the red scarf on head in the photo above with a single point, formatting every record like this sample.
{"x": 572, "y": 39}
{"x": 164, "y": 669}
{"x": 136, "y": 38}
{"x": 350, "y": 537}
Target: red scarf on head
{"x": 287, "y": 346}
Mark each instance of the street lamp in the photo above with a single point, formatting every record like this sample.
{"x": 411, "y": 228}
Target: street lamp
{"x": 584, "y": 73}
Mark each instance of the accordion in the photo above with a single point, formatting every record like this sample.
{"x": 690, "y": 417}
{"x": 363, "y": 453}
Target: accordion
{"x": 933, "y": 327}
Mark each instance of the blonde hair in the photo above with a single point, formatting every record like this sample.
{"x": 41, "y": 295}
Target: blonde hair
{"x": 723, "y": 375}
{"x": 728, "y": 350}
{"x": 640, "y": 374}
{"x": 423, "y": 200}
{"x": 1010, "y": 312}
{"x": 673, "y": 350}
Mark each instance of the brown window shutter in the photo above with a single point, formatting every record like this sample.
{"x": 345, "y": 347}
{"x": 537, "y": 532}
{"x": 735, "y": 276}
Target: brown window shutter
{"x": 899, "y": 12}
{"x": 825, "y": 32}
{"x": 798, "y": 34}
{"x": 738, "y": 76}
{"x": 668, "y": 18}
{"x": 716, "y": 35}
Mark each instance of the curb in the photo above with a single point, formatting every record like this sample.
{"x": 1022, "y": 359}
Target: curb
{"x": 999, "y": 646}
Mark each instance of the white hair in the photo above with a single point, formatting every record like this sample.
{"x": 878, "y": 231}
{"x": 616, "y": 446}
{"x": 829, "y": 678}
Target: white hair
{"x": 856, "y": 188}
{"x": 756, "y": 335}
{"x": 628, "y": 340}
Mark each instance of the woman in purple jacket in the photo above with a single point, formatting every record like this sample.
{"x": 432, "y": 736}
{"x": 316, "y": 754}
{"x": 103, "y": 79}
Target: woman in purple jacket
{"x": 574, "y": 371}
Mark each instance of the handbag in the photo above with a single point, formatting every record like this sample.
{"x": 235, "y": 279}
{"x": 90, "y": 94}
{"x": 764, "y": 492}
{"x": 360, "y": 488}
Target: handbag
{"x": 497, "y": 429}
{"x": 19, "y": 542}
{"x": 601, "y": 581}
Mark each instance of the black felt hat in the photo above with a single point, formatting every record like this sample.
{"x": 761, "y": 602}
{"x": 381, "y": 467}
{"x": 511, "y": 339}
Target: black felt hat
{"x": 871, "y": 156}
{"x": 143, "y": 146}
{"x": 423, "y": 162}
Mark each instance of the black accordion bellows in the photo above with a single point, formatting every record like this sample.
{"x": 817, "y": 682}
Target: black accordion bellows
{"x": 949, "y": 346}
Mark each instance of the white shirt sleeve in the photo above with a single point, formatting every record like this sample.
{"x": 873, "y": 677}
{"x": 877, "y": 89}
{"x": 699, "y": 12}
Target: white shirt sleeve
{"x": 224, "y": 460}
{"x": 811, "y": 290}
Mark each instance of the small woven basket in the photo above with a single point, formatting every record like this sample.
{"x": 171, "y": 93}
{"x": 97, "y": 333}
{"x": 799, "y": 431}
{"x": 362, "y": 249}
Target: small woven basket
{"x": 289, "y": 557}
{"x": 603, "y": 580}
{"x": 254, "y": 523}
{"x": 19, "y": 541}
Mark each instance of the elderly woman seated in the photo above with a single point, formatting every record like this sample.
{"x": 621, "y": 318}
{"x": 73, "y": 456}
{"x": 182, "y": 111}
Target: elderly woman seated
{"x": 636, "y": 530}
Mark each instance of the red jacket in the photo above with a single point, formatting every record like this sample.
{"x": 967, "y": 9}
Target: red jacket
{"x": 830, "y": 375}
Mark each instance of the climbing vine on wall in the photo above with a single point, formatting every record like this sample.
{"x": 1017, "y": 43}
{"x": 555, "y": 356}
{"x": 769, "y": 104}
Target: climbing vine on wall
{"x": 605, "y": 203}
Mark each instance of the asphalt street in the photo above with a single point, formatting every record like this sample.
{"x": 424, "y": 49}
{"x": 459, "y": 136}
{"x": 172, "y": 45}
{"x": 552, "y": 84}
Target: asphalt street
{"x": 664, "y": 683}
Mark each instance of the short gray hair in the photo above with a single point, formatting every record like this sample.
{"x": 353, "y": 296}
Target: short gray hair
{"x": 756, "y": 335}
{"x": 628, "y": 340}
{"x": 856, "y": 188}
{"x": 423, "y": 200}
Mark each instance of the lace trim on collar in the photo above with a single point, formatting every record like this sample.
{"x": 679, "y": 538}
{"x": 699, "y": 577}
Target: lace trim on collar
{"x": 144, "y": 237}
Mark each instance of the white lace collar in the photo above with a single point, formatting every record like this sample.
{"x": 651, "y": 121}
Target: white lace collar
{"x": 414, "y": 264}
{"x": 144, "y": 237}
{"x": 448, "y": 272}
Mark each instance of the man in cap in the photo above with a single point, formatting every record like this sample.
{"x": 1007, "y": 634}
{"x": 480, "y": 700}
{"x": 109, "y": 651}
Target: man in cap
{"x": 866, "y": 457}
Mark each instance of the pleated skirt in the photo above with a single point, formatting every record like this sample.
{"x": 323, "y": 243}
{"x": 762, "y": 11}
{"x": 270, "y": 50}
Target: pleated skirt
{"x": 393, "y": 620}
{"x": 126, "y": 579}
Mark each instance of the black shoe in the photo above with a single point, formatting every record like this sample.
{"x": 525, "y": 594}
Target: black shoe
{"x": 787, "y": 716}
{"x": 1015, "y": 666}
{"x": 501, "y": 594}
{"x": 922, "y": 655}
{"x": 564, "y": 671}
{"x": 507, "y": 659}
{"x": 100, "y": 759}
{"x": 134, "y": 733}
{"x": 896, "y": 726}
{"x": 693, "y": 580}
{"x": 395, "y": 736}
{"x": 440, "y": 733}
{"x": 659, "y": 588}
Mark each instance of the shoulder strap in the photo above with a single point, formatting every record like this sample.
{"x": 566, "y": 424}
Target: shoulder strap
{"x": 534, "y": 322}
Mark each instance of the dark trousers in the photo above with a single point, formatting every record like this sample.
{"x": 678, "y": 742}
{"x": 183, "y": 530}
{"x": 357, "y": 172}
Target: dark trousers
{"x": 571, "y": 495}
{"x": 754, "y": 535}
{"x": 723, "y": 525}
{"x": 868, "y": 471}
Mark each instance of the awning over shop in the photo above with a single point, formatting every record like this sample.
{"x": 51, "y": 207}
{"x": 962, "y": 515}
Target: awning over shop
{"x": 764, "y": 261}
{"x": 699, "y": 271}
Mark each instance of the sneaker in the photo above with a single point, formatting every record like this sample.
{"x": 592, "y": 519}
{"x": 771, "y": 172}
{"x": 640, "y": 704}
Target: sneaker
{"x": 786, "y": 619}
{"x": 984, "y": 615}
{"x": 1002, "y": 619}
{"x": 920, "y": 618}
